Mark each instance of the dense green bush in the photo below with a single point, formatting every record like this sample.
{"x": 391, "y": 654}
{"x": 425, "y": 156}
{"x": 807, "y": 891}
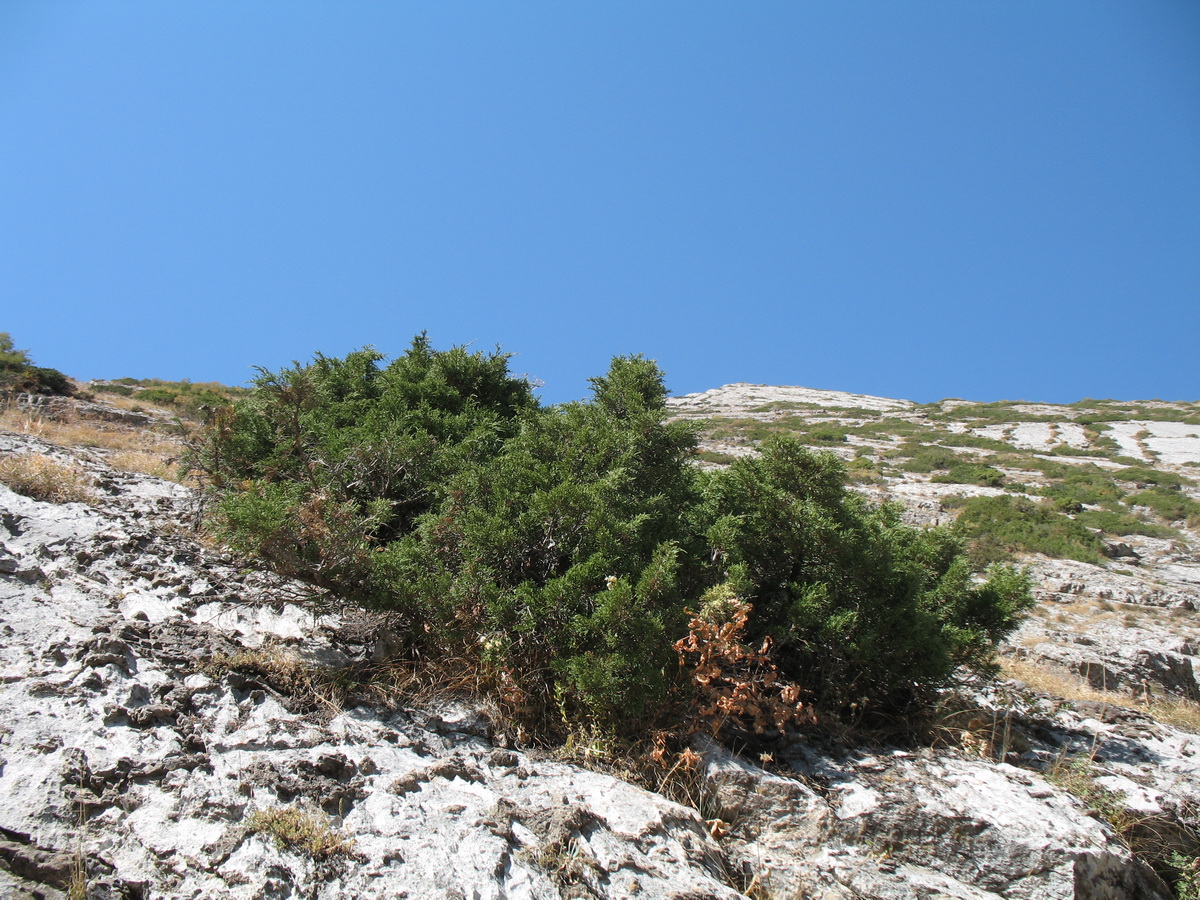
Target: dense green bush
{"x": 18, "y": 374}
{"x": 925, "y": 457}
{"x": 562, "y": 548}
{"x": 997, "y": 527}
{"x": 1172, "y": 505}
{"x": 858, "y": 604}
{"x": 965, "y": 472}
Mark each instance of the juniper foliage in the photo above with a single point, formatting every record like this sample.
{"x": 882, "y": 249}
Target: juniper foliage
{"x": 563, "y": 546}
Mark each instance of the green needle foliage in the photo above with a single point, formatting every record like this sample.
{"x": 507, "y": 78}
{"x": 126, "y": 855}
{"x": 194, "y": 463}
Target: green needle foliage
{"x": 561, "y": 548}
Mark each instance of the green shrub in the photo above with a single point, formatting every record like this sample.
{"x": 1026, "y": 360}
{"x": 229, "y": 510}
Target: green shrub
{"x": 997, "y": 527}
{"x": 1119, "y": 522}
{"x": 157, "y": 395}
{"x": 926, "y": 457}
{"x": 978, "y": 442}
{"x": 1140, "y": 475}
{"x": 1077, "y": 485}
{"x": 857, "y": 604}
{"x": 122, "y": 390}
{"x": 18, "y": 374}
{"x": 562, "y": 547}
{"x": 186, "y": 397}
{"x": 1171, "y": 505}
{"x": 970, "y": 473}
{"x": 888, "y": 426}
{"x": 826, "y": 434}
{"x": 715, "y": 456}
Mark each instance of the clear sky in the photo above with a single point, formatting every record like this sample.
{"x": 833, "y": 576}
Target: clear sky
{"x": 989, "y": 200}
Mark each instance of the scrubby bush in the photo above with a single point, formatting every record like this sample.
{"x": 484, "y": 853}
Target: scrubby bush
{"x": 977, "y": 441}
{"x": 18, "y": 374}
{"x": 1141, "y": 476}
{"x": 997, "y": 527}
{"x": 826, "y": 434}
{"x": 857, "y": 604}
{"x": 1120, "y": 522}
{"x": 965, "y": 472}
{"x": 1172, "y": 505}
{"x": 925, "y": 457}
{"x": 563, "y": 548}
{"x": 1074, "y": 486}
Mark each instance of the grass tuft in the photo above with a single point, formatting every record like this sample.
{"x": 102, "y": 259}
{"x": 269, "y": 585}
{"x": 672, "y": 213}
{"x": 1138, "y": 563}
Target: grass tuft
{"x": 301, "y": 830}
{"x": 44, "y": 479}
{"x": 1175, "y": 711}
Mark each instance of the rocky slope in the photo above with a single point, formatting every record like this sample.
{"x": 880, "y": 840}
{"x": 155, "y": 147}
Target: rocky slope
{"x": 174, "y": 723}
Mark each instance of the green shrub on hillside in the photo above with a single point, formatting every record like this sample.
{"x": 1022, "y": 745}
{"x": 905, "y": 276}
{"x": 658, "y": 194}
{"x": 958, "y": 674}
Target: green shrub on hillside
{"x": 18, "y": 374}
{"x": 997, "y": 527}
{"x": 964, "y": 472}
{"x": 189, "y": 398}
{"x": 858, "y": 605}
{"x": 1140, "y": 475}
{"x": 825, "y": 434}
{"x": 1171, "y": 505}
{"x": 1074, "y": 486}
{"x": 562, "y": 548}
{"x": 977, "y": 441}
{"x": 925, "y": 457}
{"x": 1119, "y": 522}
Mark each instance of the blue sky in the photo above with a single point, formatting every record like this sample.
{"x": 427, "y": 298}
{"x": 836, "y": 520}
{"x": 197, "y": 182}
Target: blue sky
{"x": 913, "y": 199}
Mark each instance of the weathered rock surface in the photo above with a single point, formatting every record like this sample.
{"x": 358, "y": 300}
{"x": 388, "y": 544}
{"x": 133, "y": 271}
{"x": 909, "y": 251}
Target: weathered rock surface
{"x": 906, "y": 825}
{"x": 131, "y": 757}
{"x": 770, "y": 401}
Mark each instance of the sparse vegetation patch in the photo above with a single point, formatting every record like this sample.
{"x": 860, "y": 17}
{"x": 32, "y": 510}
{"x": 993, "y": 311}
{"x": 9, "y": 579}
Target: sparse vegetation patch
{"x": 301, "y": 830}
{"x": 45, "y": 479}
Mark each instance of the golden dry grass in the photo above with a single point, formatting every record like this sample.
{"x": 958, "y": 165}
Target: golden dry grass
{"x": 147, "y": 463}
{"x": 42, "y": 478}
{"x": 1176, "y": 711}
{"x": 86, "y": 433}
{"x": 137, "y": 450}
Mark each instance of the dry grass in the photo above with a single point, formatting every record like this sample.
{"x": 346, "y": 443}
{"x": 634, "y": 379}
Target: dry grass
{"x": 1176, "y": 711}
{"x": 79, "y": 433}
{"x": 325, "y": 690}
{"x": 282, "y": 670}
{"x": 42, "y": 478}
{"x": 136, "y": 450}
{"x": 147, "y": 463}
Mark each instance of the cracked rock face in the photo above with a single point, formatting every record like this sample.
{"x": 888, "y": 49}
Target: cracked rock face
{"x": 131, "y": 758}
{"x": 905, "y": 825}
